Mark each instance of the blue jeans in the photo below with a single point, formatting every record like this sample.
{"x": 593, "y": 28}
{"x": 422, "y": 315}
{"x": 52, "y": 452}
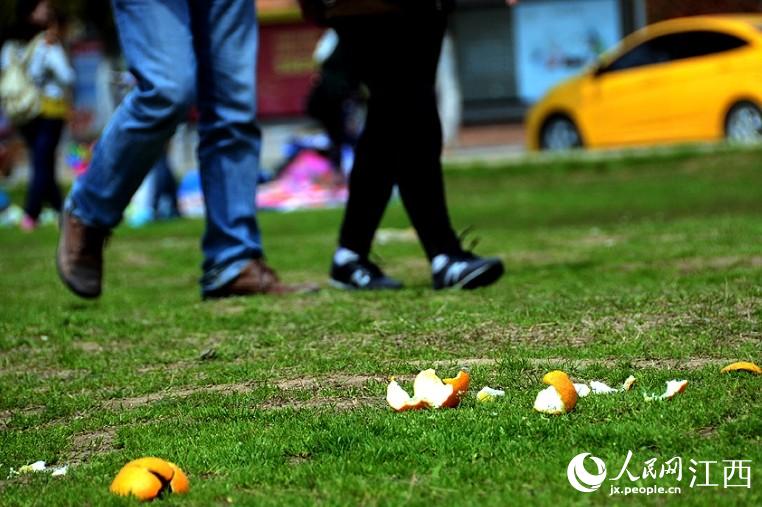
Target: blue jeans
{"x": 185, "y": 52}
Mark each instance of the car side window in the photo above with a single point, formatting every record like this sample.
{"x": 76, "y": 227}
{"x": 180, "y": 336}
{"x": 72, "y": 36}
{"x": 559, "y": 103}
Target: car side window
{"x": 675, "y": 46}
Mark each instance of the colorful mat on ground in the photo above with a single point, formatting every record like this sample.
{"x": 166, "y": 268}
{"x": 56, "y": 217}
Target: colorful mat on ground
{"x": 308, "y": 181}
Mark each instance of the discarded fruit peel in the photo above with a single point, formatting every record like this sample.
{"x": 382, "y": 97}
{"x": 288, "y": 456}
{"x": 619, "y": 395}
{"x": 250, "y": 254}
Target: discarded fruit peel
{"x": 559, "y": 398}
{"x": 628, "y": 383}
{"x": 674, "y": 387}
{"x": 602, "y": 388}
{"x": 582, "y": 390}
{"x": 488, "y": 394}
{"x": 149, "y": 478}
{"x": 429, "y": 391}
{"x": 39, "y": 466}
{"x": 743, "y": 366}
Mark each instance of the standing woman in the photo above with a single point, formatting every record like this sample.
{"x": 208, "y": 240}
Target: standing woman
{"x": 393, "y": 47}
{"x": 50, "y": 70}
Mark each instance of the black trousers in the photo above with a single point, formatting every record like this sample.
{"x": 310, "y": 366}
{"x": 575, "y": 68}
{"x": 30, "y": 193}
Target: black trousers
{"x": 42, "y": 136}
{"x": 396, "y": 57}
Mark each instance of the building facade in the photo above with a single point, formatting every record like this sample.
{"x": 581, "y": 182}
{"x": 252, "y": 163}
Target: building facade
{"x": 506, "y": 57}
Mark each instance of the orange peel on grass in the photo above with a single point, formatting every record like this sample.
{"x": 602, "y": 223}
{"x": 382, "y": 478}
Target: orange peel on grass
{"x": 560, "y": 397}
{"x": 743, "y": 366}
{"x": 488, "y": 394}
{"x": 597, "y": 387}
{"x": 674, "y": 387}
{"x": 149, "y": 478}
{"x": 429, "y": 391}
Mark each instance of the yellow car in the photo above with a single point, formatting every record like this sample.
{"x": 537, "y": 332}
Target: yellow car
{"x": 689, "y": 79}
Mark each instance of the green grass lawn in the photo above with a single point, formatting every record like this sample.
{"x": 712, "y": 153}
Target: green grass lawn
{"x": 644, "y": 266}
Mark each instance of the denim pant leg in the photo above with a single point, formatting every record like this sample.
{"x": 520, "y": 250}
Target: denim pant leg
{"x": 225, "y": 33}
{"x": 157, "y": 42}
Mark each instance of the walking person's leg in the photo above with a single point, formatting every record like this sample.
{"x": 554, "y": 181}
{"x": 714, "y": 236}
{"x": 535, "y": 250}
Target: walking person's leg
{"x": 158, "y": 46}
{"x": 41, "y": 136}
{"x": 225, "y": 37}
{"x": 50, "y": 137}
{"x": 33, "y": 201}
{"x": 404, "y": 133}
{"x": 372, "y": 179}
{"x": 419, "y": 175}
{"x": 411, "y": 123}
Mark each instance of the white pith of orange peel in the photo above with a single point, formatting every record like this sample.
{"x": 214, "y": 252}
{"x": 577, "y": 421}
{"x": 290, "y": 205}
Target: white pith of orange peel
{"x": 597, "y": 387}
{"x": 488, "y": 394}
{"x": 674, "y": 387}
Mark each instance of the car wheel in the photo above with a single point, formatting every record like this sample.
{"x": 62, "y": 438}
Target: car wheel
{"x": 560, "y": 133}
{"x": 744, "y": 123}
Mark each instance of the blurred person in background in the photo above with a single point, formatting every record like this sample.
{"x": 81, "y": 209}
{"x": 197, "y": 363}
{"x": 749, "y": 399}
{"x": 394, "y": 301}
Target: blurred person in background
{"x": 394, "y": 47}
{"x": 182, "y": 52}
{"x": 39, "y": 25}
{"x": 335, "y": 96}
{"x": 449, "y": 96}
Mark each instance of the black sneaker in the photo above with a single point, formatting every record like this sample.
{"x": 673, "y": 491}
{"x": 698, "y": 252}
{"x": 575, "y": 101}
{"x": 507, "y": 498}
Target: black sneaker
{"x": 363, "y": 275}
{"x": 465, "y": 271}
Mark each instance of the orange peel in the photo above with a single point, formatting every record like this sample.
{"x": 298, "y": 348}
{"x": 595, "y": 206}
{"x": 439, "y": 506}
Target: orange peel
{"x": 628, "y": 383}
{"x": 674, "y": 387}
{"x": 488, "y": 394}
{"x": 583, "y": 390}
{"x": 560, "y": 397}
{"x": 149, "y": 478}
{"x": 601, "y": 388}
{"x": 429, "y": 391}
{"x": 597, "y": 387}
{"x": 743, "y": 366}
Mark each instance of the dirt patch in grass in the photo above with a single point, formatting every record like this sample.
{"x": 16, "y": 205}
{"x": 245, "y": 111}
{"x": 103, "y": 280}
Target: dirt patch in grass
{"x": 595, "y": 238}
{"x": 718, "y": 263}
{"x": 45, "y": 373}
{"x": 7, "y": 415}
{"x": 298, "y": 459}
{"x": 86, "y": 445}
{"x": 89, "y": 347}
{"x": 337, "y": 380}
{"x": 355, "y": 381}
{"x": 294, "y": 384}
{"x": 696, "y": 264}
{"x": 139, "y": 401}
{"x": 639, "y": 363}
{"x": 338, "y": 403}
{"x": 520, "y": 259}
{"x": 341, "y": 381}
{"x": 132, "y": 258}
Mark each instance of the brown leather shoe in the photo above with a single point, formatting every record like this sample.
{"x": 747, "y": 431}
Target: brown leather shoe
{"x": 257, "y": 278}
{"x": 79, "y": 258}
